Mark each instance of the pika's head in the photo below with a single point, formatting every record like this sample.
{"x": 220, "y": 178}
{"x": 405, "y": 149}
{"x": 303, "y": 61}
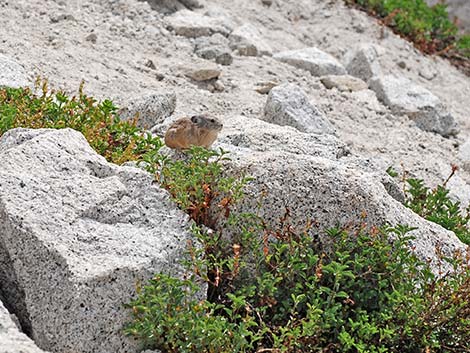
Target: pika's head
{"x": 205, "y": 122}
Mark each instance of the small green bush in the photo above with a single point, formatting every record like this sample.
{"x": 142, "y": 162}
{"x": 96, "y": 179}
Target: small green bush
{"x": 436, "y": 206}
{"x": 197, "y": 181}
{"x": 428, "y": 27}
{"x": 287, "y": 292}
{"x": 118, "y": 141}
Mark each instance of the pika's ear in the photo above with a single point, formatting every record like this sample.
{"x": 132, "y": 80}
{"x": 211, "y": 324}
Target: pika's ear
{"x": 195, "y": 119}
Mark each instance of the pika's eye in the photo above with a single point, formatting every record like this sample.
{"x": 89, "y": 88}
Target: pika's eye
{"x": 194, "y": 119}
{"x": 212, "y": 120}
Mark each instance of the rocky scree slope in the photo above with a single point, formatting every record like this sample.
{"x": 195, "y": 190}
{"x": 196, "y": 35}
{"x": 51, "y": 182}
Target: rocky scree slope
{"x": 341, "y": 100}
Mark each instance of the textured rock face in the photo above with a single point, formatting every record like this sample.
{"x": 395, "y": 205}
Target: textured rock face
{"x": 11, "y": 339}
{"x": 151, "y": 109}
{"x": 12, "y": 74}
{"x": 245, "y": 134}
{"x": 363, "y": 62}
{"x": 76, "y": 234}
{"x": 192, "y": 24}
{"x": 314, "y": 60}
{"x": 287, "y": 104}
{"x": 329, "y": 192}
{"x": 404, "y": 97}
{"x": 247, "y": 40}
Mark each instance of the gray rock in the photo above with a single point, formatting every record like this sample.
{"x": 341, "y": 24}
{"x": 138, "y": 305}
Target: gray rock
{"x": 151, "y": 109}
{"x": 76, "y": 234}
{"x": 330, "y": 193}
{"x": 214, "y": 47}
{"x": 12, "y": 74}
{"x": 257, "y": 135}
{"x": 204, "y": 72}
{"x": 362, "y": 62}
{"x": 12, "y": 340}
{"x": 464, "y": 154}
{"x": 193, "y": 24}
{"x": 344, "y": 83}
{"x": 403, "y": 96}
{"x": 314, "y": 60}
{"x": 247, "y": 41}
{"x": 287, "y": 104}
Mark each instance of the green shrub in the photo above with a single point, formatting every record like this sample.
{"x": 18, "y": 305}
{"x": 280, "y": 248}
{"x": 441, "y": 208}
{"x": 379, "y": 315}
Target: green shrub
{"x": 118, "y": 141}
{"x": 284, "y": 290}
{"x": 428, "y": 27}
{"x": 196, "y": 181}
{"x": 287, "y": 292}
{"x": 436, "y": 206}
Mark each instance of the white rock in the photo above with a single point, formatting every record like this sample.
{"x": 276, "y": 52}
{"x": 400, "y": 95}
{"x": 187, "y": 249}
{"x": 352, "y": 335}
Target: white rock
{"x": 12, "y": 74}
{"x": 248, "y": 41}
{"x": 193, "y": 24}
{"x": 330, "y": 193}
{"x": 314, "y": 60}
{"x": 79, "y": 233}
{"x": 362, "y": 62}
{"x": 151, "y": 109}
{"x": 12, "y": 340}
{"x": 403, "y": 96}
{"x": 257, "y": 135}
{"x": 287, "y": 104}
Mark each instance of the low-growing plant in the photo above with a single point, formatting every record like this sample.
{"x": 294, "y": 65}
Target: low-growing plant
{"x": 288, "y": 292}
{"x": 197, "y": 181}
{"x": 435, "y": 205}
{"x": 117, "y": 140}
{"x": 282, "y": 289}
{"x": 429, "y": 27}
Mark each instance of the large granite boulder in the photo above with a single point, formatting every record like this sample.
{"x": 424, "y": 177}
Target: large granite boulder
{"x": 12, "y": 340}
{"x": 328, "y": 193}
{"x": 319, "y": 181}
{"x": 76, "y": 235}
{"x": 245, "y": 134}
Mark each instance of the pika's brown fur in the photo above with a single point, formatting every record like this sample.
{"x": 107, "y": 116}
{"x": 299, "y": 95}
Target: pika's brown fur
{"x": 198, "y": 130}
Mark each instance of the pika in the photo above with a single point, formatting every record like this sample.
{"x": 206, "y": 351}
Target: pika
{"x": 199, "y": 130}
